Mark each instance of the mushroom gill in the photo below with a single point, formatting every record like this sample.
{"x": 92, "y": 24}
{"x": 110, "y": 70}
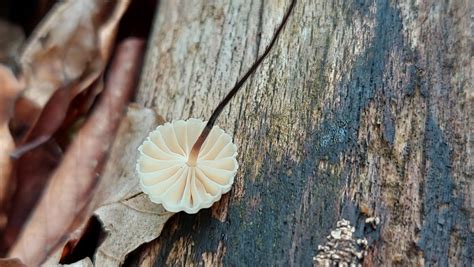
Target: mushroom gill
{"x": 171, "y": 176}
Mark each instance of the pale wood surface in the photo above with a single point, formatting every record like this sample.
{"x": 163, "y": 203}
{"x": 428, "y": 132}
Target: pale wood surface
{"x": 362, "y": 108}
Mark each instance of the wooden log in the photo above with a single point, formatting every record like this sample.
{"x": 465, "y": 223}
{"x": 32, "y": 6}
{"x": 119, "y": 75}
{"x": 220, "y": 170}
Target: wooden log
{"x": 363, "y": 108}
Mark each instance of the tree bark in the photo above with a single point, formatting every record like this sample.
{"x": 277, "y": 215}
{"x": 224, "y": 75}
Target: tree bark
{"x": 363, "y": 108}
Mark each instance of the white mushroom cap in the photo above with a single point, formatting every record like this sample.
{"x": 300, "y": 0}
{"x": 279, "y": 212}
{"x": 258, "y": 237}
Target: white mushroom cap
{"x": 166, "y": 177}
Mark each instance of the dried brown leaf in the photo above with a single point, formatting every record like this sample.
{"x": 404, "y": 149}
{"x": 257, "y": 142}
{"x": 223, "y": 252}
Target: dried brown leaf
{"x": 11, "y": 262}
{"x": 119, "y": 181}
{"x": 11, "y": 37}
{"x": 129, "y": 223}
{"x": 65, "y": 55}
{"x": 9, "y": 88}
{"x": 128, "y": 217}
{"x": 82, "y": 263}
{"x": 29, "y": 177}
{"x": 86, "y": 262}
{"x": 71, "y": 185}
{"x": 73, "y": 43}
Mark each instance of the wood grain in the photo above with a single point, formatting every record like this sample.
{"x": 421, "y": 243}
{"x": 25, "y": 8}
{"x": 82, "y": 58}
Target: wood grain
{"x": 361, "y": 109}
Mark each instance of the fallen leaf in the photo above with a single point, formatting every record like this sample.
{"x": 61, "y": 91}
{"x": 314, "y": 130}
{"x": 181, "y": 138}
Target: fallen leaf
{"x": 119, "y": 181}
{"x": 86, "y": 262}
{"x": 82, "y": 263}
{"x": 119, "y": 201}
{"x": 11, "y": 38}
{"x": 9, "y": 89}
{"x": 11, "y": 262}
{"x": 70, "y": 187}
{"x": 65, "y": 55}
{"x": 128, "y": 223}
{"x": 128, "y": 216}
{"x": 30, "y": 175}
{"x": 7, "y": 145}
{"x": 72, "y": 43}
{"x": 22, "y": 119}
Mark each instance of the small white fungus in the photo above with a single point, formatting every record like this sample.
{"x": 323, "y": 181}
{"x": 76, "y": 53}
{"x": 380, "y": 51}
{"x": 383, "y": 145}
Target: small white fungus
{"x": 169, "y": 178}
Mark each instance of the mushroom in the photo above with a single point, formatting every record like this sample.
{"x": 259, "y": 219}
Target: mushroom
{"x": 188, "y": 165}
{"x": 180, "y": 179}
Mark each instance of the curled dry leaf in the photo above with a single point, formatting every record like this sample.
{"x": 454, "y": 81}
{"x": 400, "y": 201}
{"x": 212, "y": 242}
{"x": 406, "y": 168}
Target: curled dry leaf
{"x": 73, "y": 43}
{"x": 71, "y": 185}
{"x": 129, "y": 223}
{"x": 11, "y": 262}
{"x": 30, "y": 175}
{"x": 82, "y": 263}
{"x": 9, "y": 88}
{"x": 119, "y": 201}
{"x": 11, "y": 38}
{"x": 66, "y": 54}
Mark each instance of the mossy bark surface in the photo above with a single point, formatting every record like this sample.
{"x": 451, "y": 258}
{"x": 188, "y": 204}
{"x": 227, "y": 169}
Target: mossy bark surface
{"x": 363, "y": 108}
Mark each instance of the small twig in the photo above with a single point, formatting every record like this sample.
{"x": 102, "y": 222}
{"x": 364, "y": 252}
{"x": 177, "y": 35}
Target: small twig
{"x": 20, "y": 151}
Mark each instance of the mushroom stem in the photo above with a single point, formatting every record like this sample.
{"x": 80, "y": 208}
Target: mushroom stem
{"x": 193, "y": 155}
{"x": 205, "y": 132}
